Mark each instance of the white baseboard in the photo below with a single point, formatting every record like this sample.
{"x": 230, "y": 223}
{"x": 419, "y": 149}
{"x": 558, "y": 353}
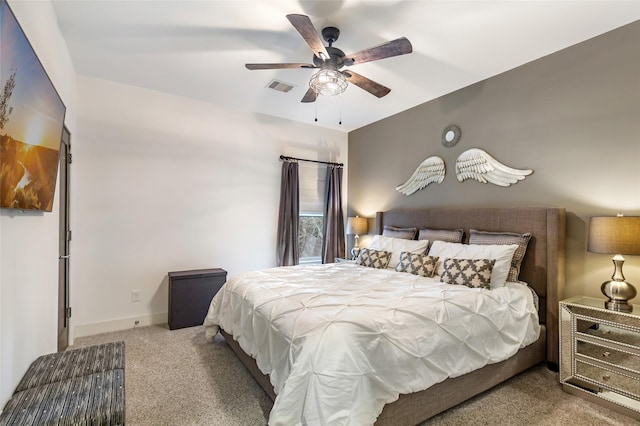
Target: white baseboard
{"x": 82, "y": 330}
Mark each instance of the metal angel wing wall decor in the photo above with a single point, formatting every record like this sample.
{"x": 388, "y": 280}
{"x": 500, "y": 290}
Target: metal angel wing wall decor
{"x": 477, "y": 164}
{"x": 429, "y": 171}
{"x": 474, "y": 163}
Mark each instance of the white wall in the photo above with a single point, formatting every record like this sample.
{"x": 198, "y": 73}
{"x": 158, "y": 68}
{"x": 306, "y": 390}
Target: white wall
{"x": 29, "y": 241}
{"x": 158, "y": 183}
{"x": 166, "y": 183}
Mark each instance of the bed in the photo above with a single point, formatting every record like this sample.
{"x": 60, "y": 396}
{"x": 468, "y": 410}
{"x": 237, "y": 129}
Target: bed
{"x": 542, "y": 269}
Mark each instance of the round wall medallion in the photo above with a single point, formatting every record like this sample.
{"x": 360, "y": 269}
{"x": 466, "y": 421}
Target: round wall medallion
{"x": 451, "y": 135}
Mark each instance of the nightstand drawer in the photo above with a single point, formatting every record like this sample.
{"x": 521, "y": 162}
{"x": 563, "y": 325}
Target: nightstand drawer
{"x": 604, "y": 315}
{"x": 625, "y": 335}
{"x": 609, "y": 379}
{"x": 607, "y": 354}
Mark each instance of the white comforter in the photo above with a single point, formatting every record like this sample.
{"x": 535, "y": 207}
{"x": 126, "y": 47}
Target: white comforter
{"x": 339, "y": 341}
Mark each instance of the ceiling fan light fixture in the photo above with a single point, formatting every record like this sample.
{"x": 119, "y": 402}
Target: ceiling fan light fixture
{"x": 328, "y": 82}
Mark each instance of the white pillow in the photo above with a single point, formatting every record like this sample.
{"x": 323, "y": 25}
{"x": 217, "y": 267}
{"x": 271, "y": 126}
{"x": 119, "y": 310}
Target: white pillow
{"x": 502, "y": 254}
{"x": 397, "y": 246}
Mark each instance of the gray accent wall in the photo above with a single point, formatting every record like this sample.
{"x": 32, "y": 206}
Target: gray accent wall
{"x": 573, "y": 117}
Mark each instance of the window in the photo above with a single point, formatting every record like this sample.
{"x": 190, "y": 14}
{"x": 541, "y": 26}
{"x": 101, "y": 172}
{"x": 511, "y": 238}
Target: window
{"x": 310, "y": 237}
{"x": 312, "y": 183}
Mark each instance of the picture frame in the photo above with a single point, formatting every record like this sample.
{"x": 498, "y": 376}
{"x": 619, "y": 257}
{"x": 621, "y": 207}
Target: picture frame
{"x": 31, "y": 122}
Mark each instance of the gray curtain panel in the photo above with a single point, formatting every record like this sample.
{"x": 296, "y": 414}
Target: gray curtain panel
{"x": 287, "y": 250}
{"x": 333, "y": 229}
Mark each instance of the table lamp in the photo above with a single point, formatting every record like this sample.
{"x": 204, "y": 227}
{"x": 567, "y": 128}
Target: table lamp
{"x": 616, "y": 235}
{"x": 356, "y": 225}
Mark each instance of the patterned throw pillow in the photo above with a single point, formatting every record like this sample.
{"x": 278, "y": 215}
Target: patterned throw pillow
{"x": 417, "y": 264}
{"x": 474, "y": 273}
{"x": 373, "y": 258}
{"x": 395, "y": 232}
{"x": 397, "y": 246}
{"x": 502, "y": 254}
{"x": 507, "y": 238}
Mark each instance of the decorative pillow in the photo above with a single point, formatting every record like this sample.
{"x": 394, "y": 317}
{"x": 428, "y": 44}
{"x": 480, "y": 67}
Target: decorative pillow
{"x": 502, "y": 254}
{"x": 448, "y": 235}
{"x": 522, "y": 240}
{"x": 373, "y": 258}
{"x": 396, "y": 246}
{"x": 474, "y": 273}
{"x": 395, "y": 232}
{"x": 417, "y": 264}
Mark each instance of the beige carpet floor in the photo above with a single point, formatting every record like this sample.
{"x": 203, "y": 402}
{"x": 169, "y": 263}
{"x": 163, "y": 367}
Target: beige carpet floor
{"x": 176, "y": 377}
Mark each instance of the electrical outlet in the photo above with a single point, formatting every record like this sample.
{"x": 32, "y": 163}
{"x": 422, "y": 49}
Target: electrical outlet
{"x": 135, "y": 295}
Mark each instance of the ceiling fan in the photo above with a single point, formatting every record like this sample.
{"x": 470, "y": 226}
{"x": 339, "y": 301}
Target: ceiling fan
{"x": 331, "y": 79}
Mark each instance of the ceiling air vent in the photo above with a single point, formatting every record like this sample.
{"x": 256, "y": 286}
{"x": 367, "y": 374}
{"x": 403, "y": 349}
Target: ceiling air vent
{"x": 280, "y": 86}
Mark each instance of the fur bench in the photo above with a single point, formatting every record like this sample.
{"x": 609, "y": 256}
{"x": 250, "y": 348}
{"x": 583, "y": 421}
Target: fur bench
{"x": 77, "y": 387}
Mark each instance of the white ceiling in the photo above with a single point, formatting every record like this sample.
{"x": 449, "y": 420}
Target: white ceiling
{"x": 198, "y": 49}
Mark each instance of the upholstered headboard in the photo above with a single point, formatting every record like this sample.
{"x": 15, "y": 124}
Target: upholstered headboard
{"x": 543, "y": 265}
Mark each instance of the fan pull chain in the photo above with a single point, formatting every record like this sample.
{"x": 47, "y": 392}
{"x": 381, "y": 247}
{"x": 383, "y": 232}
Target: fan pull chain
{"x": 340, "y": 122}
{"x": 316, "y": 105}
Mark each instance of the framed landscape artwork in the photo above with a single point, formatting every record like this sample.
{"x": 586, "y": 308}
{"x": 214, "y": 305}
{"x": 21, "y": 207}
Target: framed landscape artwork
{"x": 31, "y": 122}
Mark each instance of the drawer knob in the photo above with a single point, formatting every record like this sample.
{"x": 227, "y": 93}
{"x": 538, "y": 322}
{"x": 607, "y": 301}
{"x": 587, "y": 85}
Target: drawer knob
{"x": 606, "y": 354}
{"x": 606, "y": 377}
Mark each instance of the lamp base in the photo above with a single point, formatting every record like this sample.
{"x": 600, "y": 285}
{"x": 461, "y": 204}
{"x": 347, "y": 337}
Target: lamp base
{"x": 618, "y": 292}
{"x": 614, "y": 305}
{"x": 355, "y": 251}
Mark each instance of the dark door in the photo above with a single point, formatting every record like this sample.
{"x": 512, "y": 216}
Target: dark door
{"x": 64, "y": 309}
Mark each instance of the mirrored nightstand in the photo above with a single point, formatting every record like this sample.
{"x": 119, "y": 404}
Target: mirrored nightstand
{"x": 600, "y": 354}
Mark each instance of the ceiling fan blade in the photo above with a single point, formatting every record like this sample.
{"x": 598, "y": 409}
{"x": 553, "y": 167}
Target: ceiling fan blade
{"x": 303, "y": 24}
{"x": 400, "y": 46}
{"x": 310, "y": 96}
{"x": 277, "y": 66}
{"x": 367, "y": 84}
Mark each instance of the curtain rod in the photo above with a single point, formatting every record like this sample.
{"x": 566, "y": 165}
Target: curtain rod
{"x": 284, "y": 157}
